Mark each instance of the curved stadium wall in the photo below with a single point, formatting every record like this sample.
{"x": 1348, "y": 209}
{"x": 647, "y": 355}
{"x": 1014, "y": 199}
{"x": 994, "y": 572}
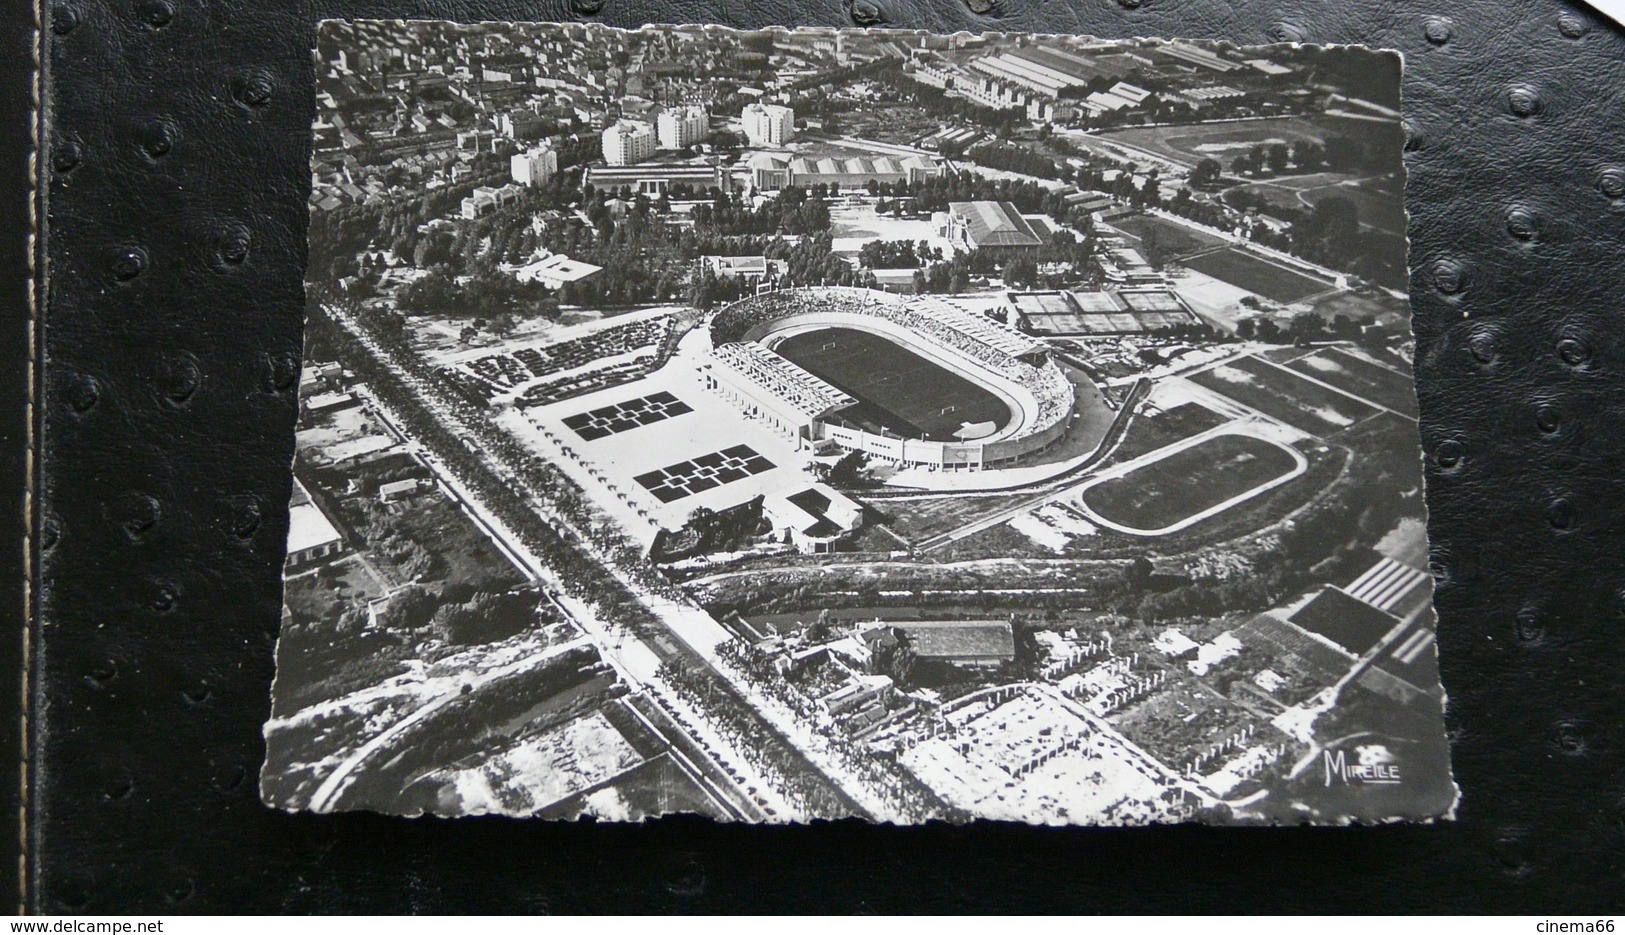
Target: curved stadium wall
{"x": 1040, "y": 395}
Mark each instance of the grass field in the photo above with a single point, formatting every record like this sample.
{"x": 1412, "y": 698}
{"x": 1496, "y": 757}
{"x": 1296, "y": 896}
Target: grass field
{"x": 1258, "y": 276}
{"x": 918, "y": 520}
{"x": 1224, "y": 141}
{"x": 1282, "y": 395}
{"x": 1176, "y": 240}
{"x": 1147, "y": 433}
{"x": 1360, "y": 307}
{"x": 1360, "y": 377}
{"x": 896, "y": 389}
{"x": 1378, "y": 209}
{"x": 1191, "y": 480}
{"x": 1379, "y": 201}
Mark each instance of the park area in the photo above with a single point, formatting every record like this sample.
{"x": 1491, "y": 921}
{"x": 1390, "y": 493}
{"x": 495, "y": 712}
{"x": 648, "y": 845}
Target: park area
{"x": 1284, "y": 396}
{"x": 1172, "y": 491}
{"x": 1378, "y": 200}
{"x": 1249, "y": 271}
{"x": 423, "y": 550}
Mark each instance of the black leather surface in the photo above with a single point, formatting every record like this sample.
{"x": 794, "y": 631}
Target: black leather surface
{"x": 178, "y": 174}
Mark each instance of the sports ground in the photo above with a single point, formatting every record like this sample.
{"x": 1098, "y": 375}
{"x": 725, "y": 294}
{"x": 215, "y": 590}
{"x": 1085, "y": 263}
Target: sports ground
{"x": 1360, "y": 377}
{"x": 1171, "y": 490}
{"x": 897, "y": 390}
{"x": 1226, "y": 140}
{"x": 1212, "y": 256}
{"x": 1285, "y": 396}
{"x": 1248, "y": 271}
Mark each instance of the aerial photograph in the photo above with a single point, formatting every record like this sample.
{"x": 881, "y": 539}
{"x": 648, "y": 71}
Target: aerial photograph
{"x": 807, "y": 424}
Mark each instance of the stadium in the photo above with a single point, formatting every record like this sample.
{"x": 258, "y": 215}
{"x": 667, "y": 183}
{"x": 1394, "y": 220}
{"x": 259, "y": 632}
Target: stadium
{"x": 913, "y": 380}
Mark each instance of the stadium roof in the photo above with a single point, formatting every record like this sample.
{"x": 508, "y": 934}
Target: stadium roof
{"x": 805, "y": 393}
{"x": 988, "y": 331}
{"x": 995, "y": 224}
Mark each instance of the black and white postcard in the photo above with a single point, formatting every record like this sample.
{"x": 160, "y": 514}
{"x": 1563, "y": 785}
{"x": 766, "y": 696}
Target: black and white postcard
{"x": 807, "y": 424}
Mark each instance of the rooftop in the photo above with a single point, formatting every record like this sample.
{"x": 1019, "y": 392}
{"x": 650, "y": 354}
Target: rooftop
{"x": 995, "y": 224}
{"x": 1347, "y": 621}
{"x": 959, "y": 639}
{"x": 309, "y": 528}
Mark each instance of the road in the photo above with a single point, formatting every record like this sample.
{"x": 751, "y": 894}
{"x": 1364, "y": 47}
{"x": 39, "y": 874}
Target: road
{"x": 1057, "y": 488}
{"x": 332, "y": 788}
{"x": 694, "y": 634}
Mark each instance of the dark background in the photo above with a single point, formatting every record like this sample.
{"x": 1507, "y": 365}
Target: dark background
{"x": 167, "y": 403}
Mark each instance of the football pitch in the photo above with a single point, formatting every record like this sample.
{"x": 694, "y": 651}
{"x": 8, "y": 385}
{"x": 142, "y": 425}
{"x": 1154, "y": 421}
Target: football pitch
{"x": 897, "y": 390}
{"x": 1226, "y": 140}
{"x": 1258, "y": 276}
{"x": 1285, "y": 396}
{"x": 1361, "y": 378}
{"x": 1170, "y": 490}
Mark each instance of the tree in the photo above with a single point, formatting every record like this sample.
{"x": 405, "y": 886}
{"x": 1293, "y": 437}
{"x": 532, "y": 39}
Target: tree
{"x": 848, "y": 471}
{"x": 1206, "y": 172}
{"x": 1307, "y": 155}
{"x": 1277, "y": 158}
{"x": 1020, "y": 271}
{"x": 821, "y": 629}
{"x": 1256, "y": 158}
{"x": 1306, "y": 327}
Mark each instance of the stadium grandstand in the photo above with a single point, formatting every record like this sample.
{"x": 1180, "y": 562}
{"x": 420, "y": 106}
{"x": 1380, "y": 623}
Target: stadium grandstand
{"x": 768, "y": 387}
{"x": 959, "y": 346}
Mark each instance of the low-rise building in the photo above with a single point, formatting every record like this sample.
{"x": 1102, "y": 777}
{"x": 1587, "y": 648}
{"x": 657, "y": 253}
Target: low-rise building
{"x": 814, "y": 519}
{"x": 312, "y": 537}
{"x": 971, "y": 644}
{"x": 770, "y": 172}
{"x": 486, "y": 199}
{"x": 980, "y": 225}
{"x": 748, "y": 269}
{"x": 556, "y": 269}
{"x": 396, "y": 491}
{"x": 656, "y": 180}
